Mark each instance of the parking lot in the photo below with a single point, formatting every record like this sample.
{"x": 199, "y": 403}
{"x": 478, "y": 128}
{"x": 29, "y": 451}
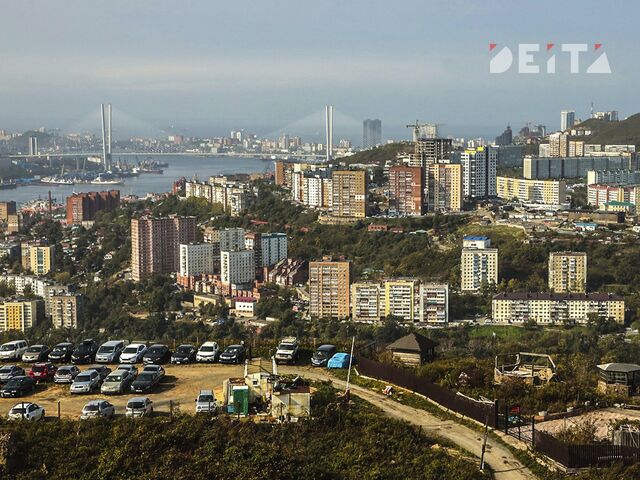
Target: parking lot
{"x": 180, "y": 386}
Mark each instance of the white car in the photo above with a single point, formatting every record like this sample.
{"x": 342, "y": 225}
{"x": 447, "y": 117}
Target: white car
{"x": 139, "y": 407}
{"x": 26, "y": 411}
{"x": 133, "y": 353}
{"x": 109, "y": 352}
{"x": 13, "y": 350}
{"x": 287, "y": 351}
{"x": 86, "y": 382}
{"x": 206, "y": 402}
{"x": 98, "y": 408}
{"x": 208, "y": 352}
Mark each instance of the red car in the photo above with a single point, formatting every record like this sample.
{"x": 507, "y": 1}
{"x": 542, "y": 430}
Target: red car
{"x": 43, "y": 372}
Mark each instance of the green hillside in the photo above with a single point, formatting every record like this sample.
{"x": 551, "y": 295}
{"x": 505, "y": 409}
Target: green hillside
{"x": 614, "y": 133}
{"x": 378, "y": 155}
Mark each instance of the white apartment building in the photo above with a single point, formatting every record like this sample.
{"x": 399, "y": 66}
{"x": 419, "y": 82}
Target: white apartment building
{"x": 434, "y": 303}
{"x": 237, "y": 266}
{"x": 479, "y": 172}
{"x": 198, "y": 258}
{"x": 367, "y": 302}
{"x": 479, "y": 264}
{"x": 273, "y": 248}
{"x": 401, "y": 299}
{"x": 231, "y": 239}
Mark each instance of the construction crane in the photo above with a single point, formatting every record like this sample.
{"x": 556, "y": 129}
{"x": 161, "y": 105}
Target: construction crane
{"x": 424, "y": 127}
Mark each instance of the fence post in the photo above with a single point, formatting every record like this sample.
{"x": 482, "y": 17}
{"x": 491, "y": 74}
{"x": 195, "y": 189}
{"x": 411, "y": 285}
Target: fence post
{"x": 58, "y": 409}
{"x": 496, "y": 414}
{"x": 533, "y": 431}
{"x": 171, "y": 409}
{"x": 506, "y": 419}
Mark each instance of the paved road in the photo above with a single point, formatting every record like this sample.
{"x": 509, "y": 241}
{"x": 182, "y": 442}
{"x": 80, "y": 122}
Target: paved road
{"x": 497, "y": 456}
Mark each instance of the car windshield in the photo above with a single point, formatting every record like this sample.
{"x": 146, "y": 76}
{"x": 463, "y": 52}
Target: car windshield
{"x": 18, "y": 410}
{"x": 205, "y": 398}
{"x": 38, "y": 368}
{"x": 92, "y": 407}
{"x": 60, "y": 348}
{"x": 84, "y": 348}
{"x": 151, "y": 368}
{"x": 184, "y": 349}
{"x": 135, "y": 405}
{"x": 7, "y": 348}
{"x": 6, "y": 369}
{"x": 232, "y": 350}
{"x": 114, "y": 378}
{"x": 107, "y": 349}
{"x": 321, "y": 353}
{"x": 84, "y": 377}
{"x": 64, "y": 370}
{"x": 286, "y": 346}
{"x": 207, "y": 349}
{"x": 146, "y": 377}
{"x": 34, "y": 349}
{"x": 156, "y": 350}
{"x": 130, "y": 350}
{"x": 14, "y": 382}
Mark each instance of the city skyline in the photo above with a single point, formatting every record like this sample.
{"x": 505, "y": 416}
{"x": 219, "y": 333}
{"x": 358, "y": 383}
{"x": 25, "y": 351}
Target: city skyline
{"x": 192, "y": 77}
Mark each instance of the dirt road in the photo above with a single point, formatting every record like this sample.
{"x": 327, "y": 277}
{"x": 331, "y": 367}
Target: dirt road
{"x": 497, "y": 456}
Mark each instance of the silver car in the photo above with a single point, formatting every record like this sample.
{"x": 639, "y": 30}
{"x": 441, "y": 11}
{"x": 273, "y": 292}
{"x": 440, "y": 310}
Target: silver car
{"x": 132, "y": 369}
{"x": 139, "y": 407}
{"x": 66, "y": 374}
{"x": 96, "y": 409}
{"x": 7, "y": 372}
{"x": 116, "y": 382}
{"x": 86, "y": 382}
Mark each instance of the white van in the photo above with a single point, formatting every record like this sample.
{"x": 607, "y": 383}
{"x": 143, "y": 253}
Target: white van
{"x": 109, "y": 352}
{"x": 208, "y": 352}
{"x": 13, "y": 350}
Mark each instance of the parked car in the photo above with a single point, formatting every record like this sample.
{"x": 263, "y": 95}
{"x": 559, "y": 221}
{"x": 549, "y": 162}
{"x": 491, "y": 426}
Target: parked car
{"x": 287, "y": 351}
{"x": 157, "y": 354}
{"x": 102, "y": 370}
{"x": 86, "y": 382}
{"x": 43, "y": 372}
{"x": 61, "y": 353}
{"x": 133, "y": 353}
{"x": 155, "y": 369}
{"x": 139, "y": 407}
{"x": 18, "y": 386}
{"x": 85, "y": 352}
{"x": 145, "y": 382}
{"x": 96, "y": 409}
{"x": 233, "y": 354}
{"x": 206, "y": 402}
{"x": 36, "y": 353}
{"x": 66, "y": 374}
{"x": 26, "y": 411}
{"x": 7, "y": 372}
{"x": 13, "y": 350}
{"x": 184, "y": 354}
{"x": 117, "y": 382}
{"x": 109, "y": 352}
{"x": 132, "y": 369}
{"x": 208, "y": 352}
{"x": 340, "y": 360}
{"x": 321, "y": 356}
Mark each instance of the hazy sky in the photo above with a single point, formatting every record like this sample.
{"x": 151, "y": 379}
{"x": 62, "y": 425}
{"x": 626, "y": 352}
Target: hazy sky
{"x": 204, "y": 66}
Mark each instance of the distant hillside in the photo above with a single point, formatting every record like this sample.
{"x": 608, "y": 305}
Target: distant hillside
{"x": 378, "y": 155}
{"x": 624, "y": 132}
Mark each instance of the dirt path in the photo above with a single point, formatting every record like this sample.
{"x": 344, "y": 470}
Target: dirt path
{"x": 497, "y": 456}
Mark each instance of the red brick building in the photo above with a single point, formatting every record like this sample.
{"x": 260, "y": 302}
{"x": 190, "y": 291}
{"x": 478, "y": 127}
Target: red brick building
{"x": 406, "y": 185}
{"x": 82, "y": 207}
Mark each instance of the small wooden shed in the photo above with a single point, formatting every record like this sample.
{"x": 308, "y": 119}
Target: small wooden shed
{"x": 413, "y": 349}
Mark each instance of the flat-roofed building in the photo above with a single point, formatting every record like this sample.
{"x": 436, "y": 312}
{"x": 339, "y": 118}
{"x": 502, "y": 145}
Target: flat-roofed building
{"x": 329, "y": 289}
{"x": 568, "y": 272}
{"x": 544, "y": 192}
{"x": 349, "y": 193}
{"x": 401, "y": 299}
{"x": 479, "y": 264}
{"x": 20, "y": 314}
{"x": 367, "y": 302}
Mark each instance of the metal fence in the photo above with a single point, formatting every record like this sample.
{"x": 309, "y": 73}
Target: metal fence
{"x": 439, "y": 394}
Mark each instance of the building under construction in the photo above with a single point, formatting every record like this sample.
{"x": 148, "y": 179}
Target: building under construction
{"x": 532, "y": 368}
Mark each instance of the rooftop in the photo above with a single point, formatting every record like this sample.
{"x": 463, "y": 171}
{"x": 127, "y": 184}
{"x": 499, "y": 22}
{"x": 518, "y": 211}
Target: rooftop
{"x": 557, "y": 296}
{"x": 413, "y": 342}
{"x": 475, "y": 237}
{"x": 619, "y": 367}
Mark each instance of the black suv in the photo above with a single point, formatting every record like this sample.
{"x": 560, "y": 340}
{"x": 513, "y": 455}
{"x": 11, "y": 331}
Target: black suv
{"x": 18, "y": 386}
{"x": 233, "y": 354}
{"x": 61, "y": 353}
{"x": 157, "y": 354}
{"x": 85, "y": 352}
{"x": 184, "y": 354}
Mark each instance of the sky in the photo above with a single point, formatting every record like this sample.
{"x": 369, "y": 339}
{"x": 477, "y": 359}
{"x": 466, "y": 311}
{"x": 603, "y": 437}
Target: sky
{"x": 203, "y": 67}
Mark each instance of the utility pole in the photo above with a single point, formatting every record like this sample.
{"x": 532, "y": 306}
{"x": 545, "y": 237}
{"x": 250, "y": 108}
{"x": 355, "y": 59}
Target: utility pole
{"x": 484, "y": 442}
{"x": 353, "y": 342}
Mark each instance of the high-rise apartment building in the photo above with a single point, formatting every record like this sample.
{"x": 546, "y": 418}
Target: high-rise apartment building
{"x": 444, "y": 188}
{"x": 367, "y": 302}
{"x": 67, "y": 310}
{"x": 567, "y": 119}
{"x": 269, "y": 248}
{"x": 41, "y": 259}
{"x": 479, "y": 264}
{"x": 20, "y": 314}
{"x": 432, "y": 150}
{"x": 237, "y": 267}
{"x": 83, "y": 207}
{"x": 434, "y": 303}
{"x": 568, "y": 272}
{"x": 198, "y": 259}
{"x": 155, "y": 244}
{"x": 401, "y": 299}
{"x": 371, "y": 133}
{"x": 6, "y": 209}
{"x": 329, "y": 289}
{"x": 479, "y": 171}
{"x": 406, "y": 190}
{"x": 559, "y": 145}
{"x": 349, "y": 193}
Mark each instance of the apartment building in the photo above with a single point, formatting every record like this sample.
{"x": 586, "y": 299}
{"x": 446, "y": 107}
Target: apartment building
{"x": 367, "y": 302}
{"x": 599, "y": 195}
{"x": 67, "y": 310}
{"x": 556, "y": 308}
{"x": 41, "y": 259}
{"x": 155, "y": 244}
{"x": 237, "y": 267}
{"x": 198, "y": 258}
{"x": 568, "y": 272}
{"x": 401, "y": 299}
{"x": 479, "y": 264}
{"x": 479, "y": 171}
{"x": 613, "y": 177}
{"x": 541, "y": 168}
{"x": 82, "y": 207}
{"x": 434, "y": 303}
{"x": 406, "y": 189}
{"x": 329, "y": 289}
{"x": 20, "y": 314}
{"x": 269, "y": 248}
{"x": 349, "y": 193}
{"x": 543, "y": 192}
{"x": 444, "y": 187}
{"x": 559, "y": 144}
{"x": 289, "y": 272}
{"x": 234, "y": 197}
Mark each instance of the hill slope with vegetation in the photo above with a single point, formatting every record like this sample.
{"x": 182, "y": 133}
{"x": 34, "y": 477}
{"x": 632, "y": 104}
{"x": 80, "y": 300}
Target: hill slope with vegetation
{"x": 378, "y": 155}
{"x": 624, "y": 132}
